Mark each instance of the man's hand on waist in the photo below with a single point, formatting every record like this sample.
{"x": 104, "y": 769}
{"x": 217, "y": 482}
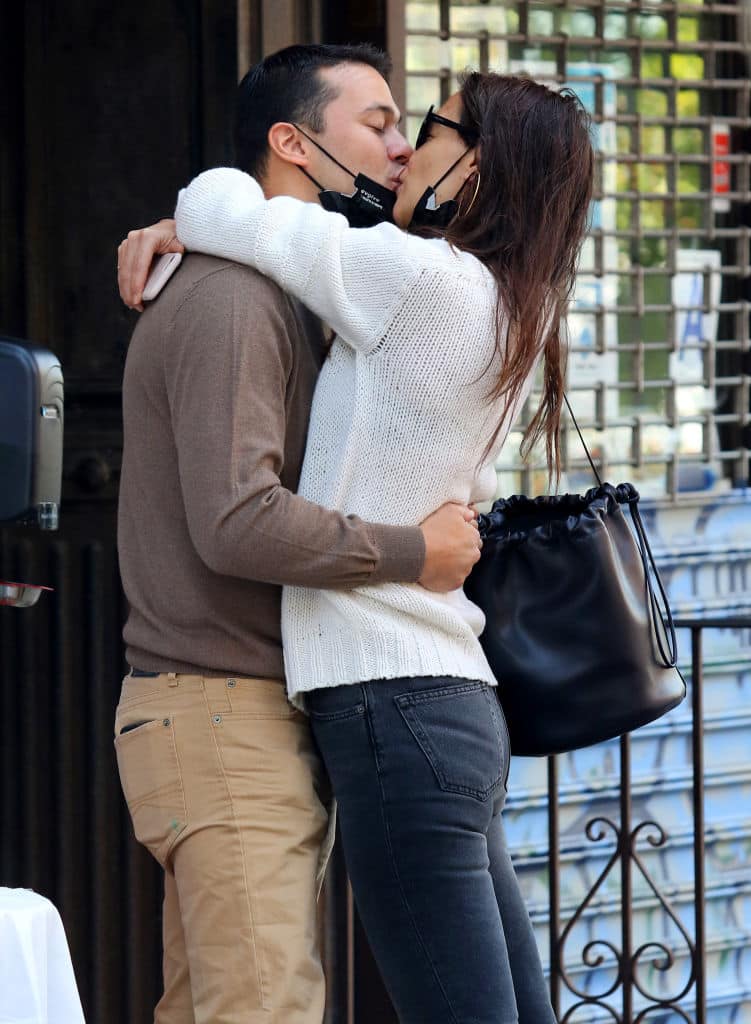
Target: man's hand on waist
{"x": 452, "y": 546}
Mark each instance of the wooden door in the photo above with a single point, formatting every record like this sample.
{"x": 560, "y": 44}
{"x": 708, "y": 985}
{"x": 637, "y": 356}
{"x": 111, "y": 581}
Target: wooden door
{"x": 107, "y": 110}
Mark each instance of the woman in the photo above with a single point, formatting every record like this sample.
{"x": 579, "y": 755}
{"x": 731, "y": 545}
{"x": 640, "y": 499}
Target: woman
{"x": 439, "y": 333}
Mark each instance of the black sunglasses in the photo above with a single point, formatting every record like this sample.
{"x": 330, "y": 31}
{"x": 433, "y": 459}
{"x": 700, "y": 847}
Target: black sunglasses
{"x": 469, "y": 137}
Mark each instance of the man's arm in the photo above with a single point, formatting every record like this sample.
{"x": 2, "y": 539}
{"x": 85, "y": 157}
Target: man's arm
{"x": 227, "y": 361}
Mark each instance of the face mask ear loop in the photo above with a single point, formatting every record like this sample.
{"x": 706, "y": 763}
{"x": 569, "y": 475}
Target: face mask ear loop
{"x": 457, "y": 161}
{"x": 325, "y": 152}
{"x": 311, "y": 178}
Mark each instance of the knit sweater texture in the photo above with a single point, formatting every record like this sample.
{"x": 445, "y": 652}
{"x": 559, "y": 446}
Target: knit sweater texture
{"x": 218, "y": 386}
{"x": 400, "y": 418}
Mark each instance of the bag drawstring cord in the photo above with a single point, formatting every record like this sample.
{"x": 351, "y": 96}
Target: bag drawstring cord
{"x": 661, "y": 617}
{"x": 668, "y": 651}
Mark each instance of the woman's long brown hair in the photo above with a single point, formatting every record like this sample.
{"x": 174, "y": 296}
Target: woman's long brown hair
{"x": 526, "y": 225}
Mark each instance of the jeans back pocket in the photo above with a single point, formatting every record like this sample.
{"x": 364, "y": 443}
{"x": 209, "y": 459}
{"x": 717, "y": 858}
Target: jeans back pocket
{"x": 459, "y": 730}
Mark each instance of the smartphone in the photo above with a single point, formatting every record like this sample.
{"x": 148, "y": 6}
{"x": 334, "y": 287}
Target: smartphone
{"x": 160, "y": 274}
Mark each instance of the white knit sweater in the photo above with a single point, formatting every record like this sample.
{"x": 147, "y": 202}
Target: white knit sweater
{"x": 400, "y": 417}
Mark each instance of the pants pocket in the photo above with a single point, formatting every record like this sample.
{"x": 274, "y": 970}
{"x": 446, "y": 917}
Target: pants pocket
{"x": 152, "y": 783}
{"x": 336, "y": 703}
{"x": 459, "y": 730}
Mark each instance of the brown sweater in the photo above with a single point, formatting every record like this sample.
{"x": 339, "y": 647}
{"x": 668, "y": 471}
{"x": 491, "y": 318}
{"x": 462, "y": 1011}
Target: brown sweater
{"x": 218, "y": 385}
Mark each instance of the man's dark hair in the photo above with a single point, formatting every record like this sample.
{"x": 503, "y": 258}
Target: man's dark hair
{"x": 286, "y": 86}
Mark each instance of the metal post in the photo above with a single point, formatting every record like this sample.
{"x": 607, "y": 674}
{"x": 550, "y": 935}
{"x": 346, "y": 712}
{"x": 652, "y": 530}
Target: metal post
{"x": 554, "y": 884}
{"x": 626, "y": 886}
{"x": 697, "y": 740}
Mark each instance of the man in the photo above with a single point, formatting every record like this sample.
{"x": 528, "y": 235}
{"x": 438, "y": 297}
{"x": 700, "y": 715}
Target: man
{"x": 220, "y": 774}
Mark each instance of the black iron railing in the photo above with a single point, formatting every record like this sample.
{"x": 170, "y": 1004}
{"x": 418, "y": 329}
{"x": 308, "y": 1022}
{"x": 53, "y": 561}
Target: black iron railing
{"x": 627, "y": 997}
{"x": 356, "y": 995}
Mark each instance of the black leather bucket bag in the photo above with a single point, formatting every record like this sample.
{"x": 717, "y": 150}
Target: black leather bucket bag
{"x": 575, "y": 635}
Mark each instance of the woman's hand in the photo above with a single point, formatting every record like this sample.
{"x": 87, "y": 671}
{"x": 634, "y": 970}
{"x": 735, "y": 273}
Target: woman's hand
{"x": 135, "y": 255}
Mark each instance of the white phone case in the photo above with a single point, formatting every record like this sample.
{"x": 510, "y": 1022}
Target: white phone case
{"x": 160, "y": 274}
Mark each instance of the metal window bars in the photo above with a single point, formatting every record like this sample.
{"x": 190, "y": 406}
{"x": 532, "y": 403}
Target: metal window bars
{"x": 659, "y": 365}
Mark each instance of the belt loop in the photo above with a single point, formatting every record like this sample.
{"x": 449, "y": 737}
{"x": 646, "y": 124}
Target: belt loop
{"x": 217, "y": 694}
{"x": 172, "y": 678}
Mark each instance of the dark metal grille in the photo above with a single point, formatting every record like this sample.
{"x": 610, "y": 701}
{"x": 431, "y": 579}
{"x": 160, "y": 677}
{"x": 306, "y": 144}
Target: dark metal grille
{"x": 659, "y": 366}
{"x": 64, "y": 828}
{"x": 661, "y": 979}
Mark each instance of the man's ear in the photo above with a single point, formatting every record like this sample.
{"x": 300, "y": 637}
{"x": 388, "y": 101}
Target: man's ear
{"x": 288, "y": 144}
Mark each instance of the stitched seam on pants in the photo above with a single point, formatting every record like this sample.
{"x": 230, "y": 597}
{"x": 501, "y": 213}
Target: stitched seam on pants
{"x": 169, "y": 1004}
{"x": 390, "y": 847}
{"x": 182, "y": 786}
{"x": 259, "y": 973}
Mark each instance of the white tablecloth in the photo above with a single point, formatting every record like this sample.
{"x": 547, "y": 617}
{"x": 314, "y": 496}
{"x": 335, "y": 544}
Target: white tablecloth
{"x": 37, "y": 984}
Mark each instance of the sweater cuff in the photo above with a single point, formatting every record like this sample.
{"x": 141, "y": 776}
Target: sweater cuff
{"x": 401, "y": 554}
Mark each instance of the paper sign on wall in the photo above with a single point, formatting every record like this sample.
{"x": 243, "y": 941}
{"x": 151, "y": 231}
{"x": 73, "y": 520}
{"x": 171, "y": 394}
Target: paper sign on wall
{"x": 696, "y": 311}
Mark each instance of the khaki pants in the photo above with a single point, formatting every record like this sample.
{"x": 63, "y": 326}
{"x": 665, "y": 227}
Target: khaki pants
{"x": 225, "y": 789}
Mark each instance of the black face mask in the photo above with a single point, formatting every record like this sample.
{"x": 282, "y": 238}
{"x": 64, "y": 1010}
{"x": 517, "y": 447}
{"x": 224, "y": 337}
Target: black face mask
{"x": 427, "y": 213}
{"x": 369, "y": 204}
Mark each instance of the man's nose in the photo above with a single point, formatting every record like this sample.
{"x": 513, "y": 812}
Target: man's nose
{"x": 399, "y": 150}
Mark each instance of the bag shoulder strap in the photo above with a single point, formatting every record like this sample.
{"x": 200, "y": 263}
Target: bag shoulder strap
{"x": 584, "y": 446}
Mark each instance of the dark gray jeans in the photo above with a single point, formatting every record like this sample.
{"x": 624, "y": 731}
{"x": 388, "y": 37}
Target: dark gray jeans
{"x": 419, "y": 769}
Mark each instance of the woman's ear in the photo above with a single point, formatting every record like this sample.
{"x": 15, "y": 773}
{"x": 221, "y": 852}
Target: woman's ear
{"x": 472, "y": 168}
{"x": 287, "y": 143}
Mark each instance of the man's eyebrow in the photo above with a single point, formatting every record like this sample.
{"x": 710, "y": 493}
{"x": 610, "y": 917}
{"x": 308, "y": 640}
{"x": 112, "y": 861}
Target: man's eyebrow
{"x": 386, "y": 109}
